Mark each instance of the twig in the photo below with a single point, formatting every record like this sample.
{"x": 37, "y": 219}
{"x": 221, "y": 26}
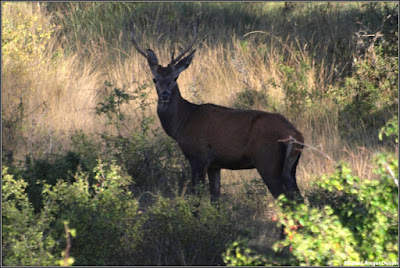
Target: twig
{"x": 66, "y": 256}
{"x": 392, "y": 174}
{"x": 293, "y": 140}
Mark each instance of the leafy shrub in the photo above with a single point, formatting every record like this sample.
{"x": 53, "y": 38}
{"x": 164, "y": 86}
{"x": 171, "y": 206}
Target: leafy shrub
{"x": 25, "y": 41}
{"x": 298, "y": 92}
{"x": 25, "y": 239}
{"x": 349, "y": 220}
{"x": 369, "y": 96}
{"x": 391, "y": 129}
{"x": 152, "y": 159}
{"x": 184, "y": 231}
{"x": 105, "y": 217}
{"x": 249, "y": 98}
{"x": 358, "y": 221}
{"x": 238, "y": 253}
{"x": 51, "y": 169}
{"x": 105, "y": 225}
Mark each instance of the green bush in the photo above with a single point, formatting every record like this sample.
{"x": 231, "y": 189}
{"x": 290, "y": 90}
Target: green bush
{"x": 249, "y": 98}
{"x": 369, "y": 97}
{"x": 51, "y": 169}
{"x": 358, "y": 222}
{"x": 107, "y": 225}
{"x": 25, "y": 236}
{"x": 185, "y": 231}
{"x": 300, "y": 95}
{"x": 151, "y": 158}
{"x": 238, "y": 253}
{"x": 349, "y": 220}
{"x": 105, "y": 217}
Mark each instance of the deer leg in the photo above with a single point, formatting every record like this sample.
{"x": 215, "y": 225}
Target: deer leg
{"x": 198, "y": 174}
{"x": 272, "y": 179}
{"x": 289, "y": 178}
{"x": 292, "y": 190}
{"x": 214, "y": 175}
{"x": 270, "y": 168}
{"x": 274, "y": 185}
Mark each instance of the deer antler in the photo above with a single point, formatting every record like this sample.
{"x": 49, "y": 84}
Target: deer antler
{"x": 189, "y": 46}
{"x": 135, "y": 44}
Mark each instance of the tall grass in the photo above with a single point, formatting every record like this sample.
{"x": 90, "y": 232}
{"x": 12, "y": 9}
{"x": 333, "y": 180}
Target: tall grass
{"x": 261, "y": 47}
{"x": 233, "y": 55}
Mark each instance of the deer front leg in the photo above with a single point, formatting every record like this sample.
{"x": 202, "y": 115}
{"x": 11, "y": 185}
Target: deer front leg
{"x": 198, "y": 174}
{"x": 214, "y": 175}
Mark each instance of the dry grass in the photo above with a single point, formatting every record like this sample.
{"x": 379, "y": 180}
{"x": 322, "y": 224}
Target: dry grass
{"x": 64, "y": 93}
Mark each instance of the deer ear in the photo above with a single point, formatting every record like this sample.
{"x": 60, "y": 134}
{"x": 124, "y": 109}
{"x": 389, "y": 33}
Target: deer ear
{"x": 151, "y": 57}
{"x": 184, "y": 63}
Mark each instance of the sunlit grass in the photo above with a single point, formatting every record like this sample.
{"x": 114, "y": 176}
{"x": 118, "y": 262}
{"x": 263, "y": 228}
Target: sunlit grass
{"x": 234, "y": 53}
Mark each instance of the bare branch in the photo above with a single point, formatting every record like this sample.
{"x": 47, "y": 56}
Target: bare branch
{"x": 392, "y": 174}
{"x": 293, "y": 140}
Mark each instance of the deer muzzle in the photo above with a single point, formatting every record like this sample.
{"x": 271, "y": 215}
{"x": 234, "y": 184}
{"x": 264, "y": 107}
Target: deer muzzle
{"x": 164, "y": 97}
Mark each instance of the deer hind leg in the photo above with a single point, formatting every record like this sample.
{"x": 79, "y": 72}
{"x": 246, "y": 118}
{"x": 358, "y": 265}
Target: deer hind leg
{"x": 272, "y": 181}
{"x": 289, "y": 173}
{"x": 214, "y": 176}
{"x": 270, "y": 168}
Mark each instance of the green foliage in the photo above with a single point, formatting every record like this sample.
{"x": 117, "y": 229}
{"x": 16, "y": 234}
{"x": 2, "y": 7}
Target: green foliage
{"x": 390, "y": 129}
{"x": 112, "y": 106}
{"x": 349, "y": 219}
{"x": 112, "y": 103}
{"x": 354, "y": 220}
{"x": 104, "y": 217}
{"x": 374, "y": 83}
{"x": 238, "y": 253}
{"x": 152, "y": 159}
{"x": 359, "y": 221}
{"x": 24, "y": 40}
{"x": 299, "y": 94}
{"x": 26, "y": 238}
{"x": 249, "y": 98}
{"x": 369, "y": 96}
{"x": 51, "y": 169}
{"x": 185, "y": 231}
{"x": 105, "y": 208}
{"x": 101, "y": 224}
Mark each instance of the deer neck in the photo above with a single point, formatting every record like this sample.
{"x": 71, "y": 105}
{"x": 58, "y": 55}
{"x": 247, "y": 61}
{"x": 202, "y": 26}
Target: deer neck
{"x": 174, "y": 114}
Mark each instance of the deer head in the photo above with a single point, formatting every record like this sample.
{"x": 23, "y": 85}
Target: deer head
{"x": 165, "y": 78}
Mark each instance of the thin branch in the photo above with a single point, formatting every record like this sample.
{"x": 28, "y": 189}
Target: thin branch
{"x": 67, "y": 232}
{"x": 392, "y": 174}
{"x": 293, "y": 140}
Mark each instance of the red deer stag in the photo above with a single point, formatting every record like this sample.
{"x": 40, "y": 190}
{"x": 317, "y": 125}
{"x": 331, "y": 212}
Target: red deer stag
{"x": 213, "y": 137}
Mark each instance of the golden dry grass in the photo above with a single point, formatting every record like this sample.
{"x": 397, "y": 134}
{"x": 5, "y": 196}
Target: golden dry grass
{"x": 60, "y": 99}
{"x": 62, "y": 95}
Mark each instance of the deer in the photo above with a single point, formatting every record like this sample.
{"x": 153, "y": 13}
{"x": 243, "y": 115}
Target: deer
{"x": 213, "y": 137}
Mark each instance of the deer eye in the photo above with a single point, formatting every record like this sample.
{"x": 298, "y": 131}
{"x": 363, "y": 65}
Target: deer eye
{"x": 154, "y": 80}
